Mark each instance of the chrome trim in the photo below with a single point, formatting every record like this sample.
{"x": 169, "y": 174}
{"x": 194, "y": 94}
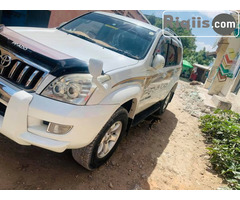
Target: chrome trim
{"x": 14, "y": 56}
{"x": 31, "y": 78}
{"x": 2, "y": 69}
{"x": 15, "y": 66}
{"x": 19, "y": 79}
{"x": 5, "y": 93}
{"x": 39, "y": 81}
{"x": 5, "y": 58}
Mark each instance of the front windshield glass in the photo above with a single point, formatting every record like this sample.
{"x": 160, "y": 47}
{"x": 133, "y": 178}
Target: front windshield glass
{"x": 120, "y": 36}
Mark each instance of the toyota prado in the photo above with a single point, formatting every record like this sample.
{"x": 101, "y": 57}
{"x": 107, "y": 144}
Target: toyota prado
{"x": 81, "y": 86}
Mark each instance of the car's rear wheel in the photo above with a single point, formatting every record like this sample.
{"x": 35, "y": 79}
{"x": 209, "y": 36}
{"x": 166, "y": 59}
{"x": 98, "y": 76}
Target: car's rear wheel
{"x": 105, "y": 143}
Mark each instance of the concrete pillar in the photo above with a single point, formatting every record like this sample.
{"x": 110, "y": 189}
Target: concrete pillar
{"x": 212, "y": 83}
{"x": 236, "y": 81}
{"x": 222, "y": 46}
{"x": 234, "y": 44}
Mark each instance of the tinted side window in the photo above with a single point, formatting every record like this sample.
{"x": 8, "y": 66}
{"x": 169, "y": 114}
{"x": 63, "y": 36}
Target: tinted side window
{"x": 171, "y": 56}
{"x": 162, "y": 47}
{"x": 179, "y": 55}
{"x": 163, "y": 50}
{"x": 170, "y": 50}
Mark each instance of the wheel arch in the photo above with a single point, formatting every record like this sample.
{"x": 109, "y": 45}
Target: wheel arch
{"x": 173, "y": 91}
{"x": 127, "y": 97}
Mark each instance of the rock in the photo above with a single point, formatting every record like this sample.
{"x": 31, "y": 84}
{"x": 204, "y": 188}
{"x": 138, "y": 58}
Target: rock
{"x": 110, "y": 185}
{"x": 221, "y": 102}
{"x": 195, "y": 115}
{"x": 207, "y": 157}
{"x": 195, "y": 83}
{"x": 137, "y": 187}
{"x": 90, "y": 176}
{"x": 207, "y": 110}
{"x": 144, "y": 176}
{"x": 113, "y": 163}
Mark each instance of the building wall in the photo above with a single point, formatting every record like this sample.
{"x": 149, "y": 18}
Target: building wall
{"x": 59, "y": 16}
{"x": 53, "y": 18}
{"x": 220, "y": 81}
{"x": 237, "y": 79}
{"x": 29, "y": 18}
{"x": 222, "y": 47}
{"x": 234, "y": 43}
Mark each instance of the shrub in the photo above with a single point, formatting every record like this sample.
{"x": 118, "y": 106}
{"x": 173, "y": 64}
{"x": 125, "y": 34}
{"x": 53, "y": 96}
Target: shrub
{"x": 222, "y": 130}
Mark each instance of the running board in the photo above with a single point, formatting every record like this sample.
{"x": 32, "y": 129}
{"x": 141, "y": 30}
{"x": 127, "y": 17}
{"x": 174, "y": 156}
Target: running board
{"x": 146, "y": 113}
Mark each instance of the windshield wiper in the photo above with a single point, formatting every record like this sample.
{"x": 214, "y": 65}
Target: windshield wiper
{"x": 122, "y": 52}
{"x": 80, "y": 36}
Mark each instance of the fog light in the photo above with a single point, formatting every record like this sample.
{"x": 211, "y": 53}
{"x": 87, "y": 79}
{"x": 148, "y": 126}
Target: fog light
{"x": 58, "y": 128}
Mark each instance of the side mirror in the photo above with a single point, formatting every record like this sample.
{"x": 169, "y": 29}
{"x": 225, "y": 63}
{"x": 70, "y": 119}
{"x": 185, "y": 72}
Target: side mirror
{"x": 158, "y": 62}
{"x": 95, "y": 68}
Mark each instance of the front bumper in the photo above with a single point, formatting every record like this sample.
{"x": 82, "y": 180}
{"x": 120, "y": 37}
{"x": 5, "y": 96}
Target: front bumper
{"x": 25, "y": 114}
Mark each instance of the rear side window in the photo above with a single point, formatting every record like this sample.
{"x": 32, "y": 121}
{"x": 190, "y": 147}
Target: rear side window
{"x": 170, "y": 50}
{"x": 171, "y": 56}
{"x": 179, "y": 57}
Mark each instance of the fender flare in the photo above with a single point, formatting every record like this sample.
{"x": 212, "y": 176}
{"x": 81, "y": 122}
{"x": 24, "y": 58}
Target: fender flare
{"x": 123, "y": 95}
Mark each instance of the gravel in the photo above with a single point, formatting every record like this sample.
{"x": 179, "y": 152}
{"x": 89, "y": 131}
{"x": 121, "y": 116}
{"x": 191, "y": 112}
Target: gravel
{"x": 192, "y": 102}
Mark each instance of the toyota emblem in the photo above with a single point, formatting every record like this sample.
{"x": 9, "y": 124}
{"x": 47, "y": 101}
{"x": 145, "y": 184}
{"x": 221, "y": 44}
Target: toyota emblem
{"x": 5, "y": 60}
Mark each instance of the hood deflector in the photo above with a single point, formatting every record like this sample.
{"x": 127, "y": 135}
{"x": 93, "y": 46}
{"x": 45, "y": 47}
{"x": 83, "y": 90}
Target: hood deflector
{"x": 56, "y": 62}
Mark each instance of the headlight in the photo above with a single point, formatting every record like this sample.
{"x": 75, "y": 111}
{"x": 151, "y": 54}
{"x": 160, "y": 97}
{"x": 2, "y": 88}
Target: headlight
{"x": 74, "y": 89}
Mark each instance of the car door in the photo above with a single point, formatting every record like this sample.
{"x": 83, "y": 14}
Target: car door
{"x": 159, "y": 81}
{"x": 172, "y": 68}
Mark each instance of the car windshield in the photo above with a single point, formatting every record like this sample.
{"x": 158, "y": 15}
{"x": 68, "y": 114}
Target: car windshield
{"x": 118, "y": 35}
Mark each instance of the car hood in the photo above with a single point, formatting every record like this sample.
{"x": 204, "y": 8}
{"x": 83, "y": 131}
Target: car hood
{"x": 64, "y": 45}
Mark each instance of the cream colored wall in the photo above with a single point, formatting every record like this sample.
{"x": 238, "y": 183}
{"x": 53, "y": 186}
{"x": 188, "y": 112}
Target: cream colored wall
{"x": 222, "y": 46}
{"x": 213, "y": 84}
{"x": 235, "y": 82}
{"x": 234, "y": 43}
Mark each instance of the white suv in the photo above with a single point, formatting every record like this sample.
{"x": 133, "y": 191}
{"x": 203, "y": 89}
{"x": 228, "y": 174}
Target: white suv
{"x": 81, "y": 86}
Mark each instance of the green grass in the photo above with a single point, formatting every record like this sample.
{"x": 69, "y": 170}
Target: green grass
{"x": 222, "y": 130}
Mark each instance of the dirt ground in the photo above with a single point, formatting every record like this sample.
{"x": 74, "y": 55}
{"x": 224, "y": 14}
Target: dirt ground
{"x": 171, "y": 155}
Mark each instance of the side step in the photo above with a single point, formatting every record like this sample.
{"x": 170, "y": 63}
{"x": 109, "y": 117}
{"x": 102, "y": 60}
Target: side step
{"x": 146, "y": 113}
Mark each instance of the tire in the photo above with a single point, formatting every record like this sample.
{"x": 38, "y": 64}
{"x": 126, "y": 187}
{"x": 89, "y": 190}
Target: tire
{"x": 164, "y": 103}
{"x": 102, "y": 147}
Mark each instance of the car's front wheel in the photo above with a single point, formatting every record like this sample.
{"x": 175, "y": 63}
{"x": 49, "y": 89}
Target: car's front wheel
{"x": 105, "y": 143}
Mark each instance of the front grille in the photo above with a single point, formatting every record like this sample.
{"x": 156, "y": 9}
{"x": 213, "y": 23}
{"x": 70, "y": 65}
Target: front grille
{"x": 21, "y": 73}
